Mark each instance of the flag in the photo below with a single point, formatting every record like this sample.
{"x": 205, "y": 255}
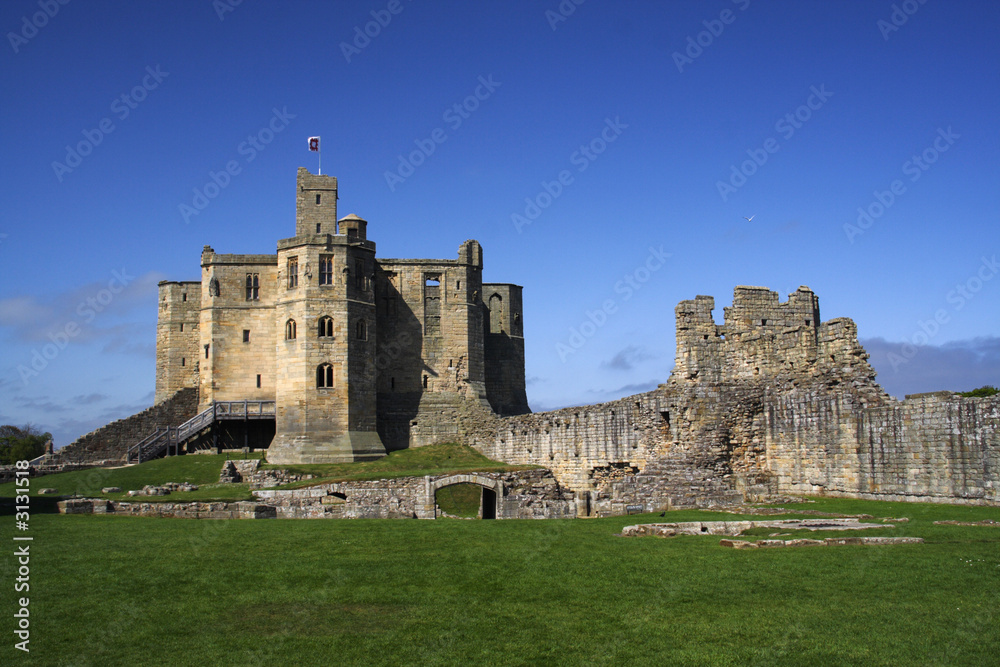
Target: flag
{"x": 314, "y": 144}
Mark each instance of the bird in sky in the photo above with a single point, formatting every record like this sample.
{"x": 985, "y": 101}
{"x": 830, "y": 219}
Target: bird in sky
{"x": 750, "y": 219}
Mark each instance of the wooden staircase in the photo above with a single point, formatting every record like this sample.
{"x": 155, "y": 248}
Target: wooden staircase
{"x": 169, "y": 439}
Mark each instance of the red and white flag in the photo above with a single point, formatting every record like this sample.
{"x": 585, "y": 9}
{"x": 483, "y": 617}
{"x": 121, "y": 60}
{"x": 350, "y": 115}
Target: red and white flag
{"x": 314, "y": 144}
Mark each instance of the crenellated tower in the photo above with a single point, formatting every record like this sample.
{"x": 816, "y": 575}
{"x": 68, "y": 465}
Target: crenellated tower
{"x": 325, "y": 348}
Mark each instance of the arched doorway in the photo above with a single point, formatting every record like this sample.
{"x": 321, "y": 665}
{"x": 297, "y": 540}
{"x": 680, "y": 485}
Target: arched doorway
{"x": 490, "y": 495}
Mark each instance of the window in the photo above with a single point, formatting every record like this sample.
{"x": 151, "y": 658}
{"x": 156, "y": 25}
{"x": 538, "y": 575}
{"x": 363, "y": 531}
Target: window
{"x": 253, "y": 286}
{"x": 183, "y": 361}
{"x": 324, "y": 376}
{"x": 206, "y": 351}
{"x": 318, "y": 199}
{"x": 361, "y": 330}
{"x": 293, "y": 272}
{"x": 184, "y": 296}
{"x": 326, "y": 269}
{"x": 290, "y": 330}
{"x": 317, "y": 228}
{"x": 182, "y": 326}
{"x": 359, "y": 273}
{"x": 246, "y": 335}
{"x": 326, "y": 327}
{"x": 258, "y": 382}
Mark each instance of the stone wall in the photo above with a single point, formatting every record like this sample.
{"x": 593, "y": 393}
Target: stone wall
{"x": 177, "y": 338}
{"x": 237, "y": 334}
{"x": 112, "y": 441}
{"x": 931, "y": 447}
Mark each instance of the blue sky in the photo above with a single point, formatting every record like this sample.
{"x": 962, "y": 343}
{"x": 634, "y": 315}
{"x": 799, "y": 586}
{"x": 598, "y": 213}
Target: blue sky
{"x": 605, "y": 157}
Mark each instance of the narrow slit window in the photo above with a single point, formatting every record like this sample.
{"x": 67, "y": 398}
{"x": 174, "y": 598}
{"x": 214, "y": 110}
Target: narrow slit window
{"x": 258, "y": 382}
{"x": 318, "y": 199}
{"x": 317, "y": 228}
{"x": 246, "y": 335}
{"x": 183, "y": 361}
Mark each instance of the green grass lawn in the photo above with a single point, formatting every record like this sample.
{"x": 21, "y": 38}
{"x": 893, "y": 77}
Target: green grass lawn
{"x": 134, "y": 591}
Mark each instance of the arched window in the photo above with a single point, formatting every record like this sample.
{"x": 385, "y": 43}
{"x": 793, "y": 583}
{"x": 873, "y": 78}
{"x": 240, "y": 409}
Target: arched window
{"x": 326, "y": 327}
{"x": 290, "y": 330}
{"x": 361, "y": 330}
{"x": 496, "y": 313}
{"x": 324, "y": 376}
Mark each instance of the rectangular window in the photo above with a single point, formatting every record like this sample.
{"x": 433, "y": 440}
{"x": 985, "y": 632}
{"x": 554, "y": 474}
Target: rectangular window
{"x": 183, "y": 361}
{"x": 317, "y": 228}
{"x": 253, "y": 286}
{"x": 246, "y": 335}
{"x": 206, "y": 351}
{"x": 184, "y": 297}
{"x": 317, "y": 199}
{"x": 182, "y": 326}
{"x": 293, "y": 272}
{"x": 258, "y": 382}
{"x": 326, "y": 269}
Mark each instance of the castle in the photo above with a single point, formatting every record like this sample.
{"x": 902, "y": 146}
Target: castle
{"x": 356, "y": 356}
{"x": 346, "y": 344}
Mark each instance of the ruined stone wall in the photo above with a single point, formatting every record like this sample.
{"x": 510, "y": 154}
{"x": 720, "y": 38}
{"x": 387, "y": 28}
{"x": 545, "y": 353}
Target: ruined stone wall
{"x": 177, "y": 338}
{"x": 504, "y": 349}
{"x": 526, "y": 494}
{"x": 772, "y": 401}
{"x": 930, "y": 447}
{"x": 113, "y": 440}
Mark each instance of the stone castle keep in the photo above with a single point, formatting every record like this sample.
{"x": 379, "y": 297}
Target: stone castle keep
{"x": 347, "y": 345}
{"x": 346, "y": 356}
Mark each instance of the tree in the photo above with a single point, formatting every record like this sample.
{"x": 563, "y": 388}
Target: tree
{"x": 985, "y": 390}
{"x": 24, "y": 443}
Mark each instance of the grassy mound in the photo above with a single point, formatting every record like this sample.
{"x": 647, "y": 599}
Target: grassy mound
{"x": 436, "y": 459}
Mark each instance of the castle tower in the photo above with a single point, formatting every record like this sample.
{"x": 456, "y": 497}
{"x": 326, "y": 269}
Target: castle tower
{"x": 325, "y": 316}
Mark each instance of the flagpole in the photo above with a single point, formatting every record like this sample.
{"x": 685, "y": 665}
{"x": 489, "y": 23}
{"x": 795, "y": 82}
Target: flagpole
{"x": 319, "y": 156}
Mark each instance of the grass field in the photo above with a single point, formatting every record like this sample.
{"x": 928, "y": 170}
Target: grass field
{"x": 133, "y": 591}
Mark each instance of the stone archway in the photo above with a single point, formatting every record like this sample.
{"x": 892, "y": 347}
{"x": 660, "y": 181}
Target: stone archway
{"x": 491, "y": 496}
